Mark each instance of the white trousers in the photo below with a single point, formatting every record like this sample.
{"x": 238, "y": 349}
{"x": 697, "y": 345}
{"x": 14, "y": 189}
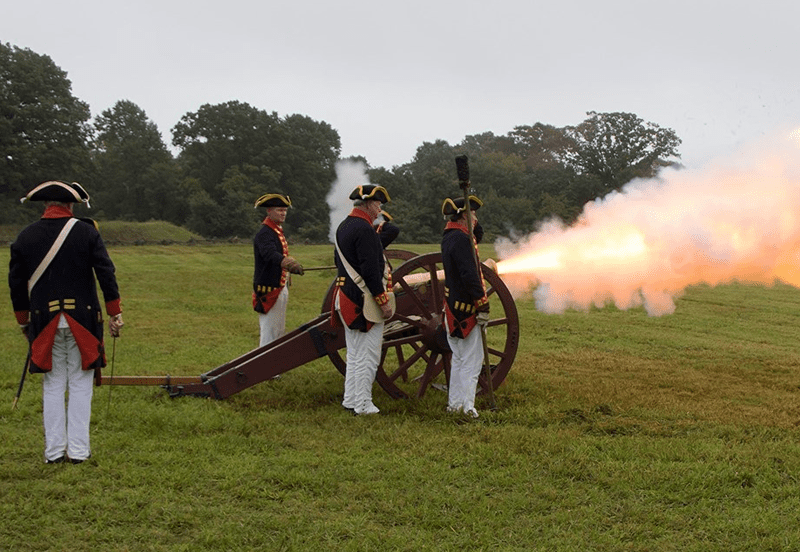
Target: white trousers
{"x": 363, "y": 356}
{"x": 66, "y": 420}
{"x": 465, "y": 367}
{"x": 273, "y": 324}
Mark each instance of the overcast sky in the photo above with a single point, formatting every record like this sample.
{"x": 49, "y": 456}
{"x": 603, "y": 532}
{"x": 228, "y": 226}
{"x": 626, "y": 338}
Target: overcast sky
{"x": 389, "y": 76}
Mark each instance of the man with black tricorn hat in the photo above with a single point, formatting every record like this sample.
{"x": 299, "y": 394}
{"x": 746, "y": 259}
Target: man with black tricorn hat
{"x": 272, "y": 267}
{"x": 466, "y": 304}
{"x": 52, "y": 271}
{"x": 361, "y": 301}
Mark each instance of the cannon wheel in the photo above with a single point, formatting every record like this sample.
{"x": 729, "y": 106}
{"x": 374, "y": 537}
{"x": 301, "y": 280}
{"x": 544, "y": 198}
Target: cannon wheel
{"x": 415, "y": 353}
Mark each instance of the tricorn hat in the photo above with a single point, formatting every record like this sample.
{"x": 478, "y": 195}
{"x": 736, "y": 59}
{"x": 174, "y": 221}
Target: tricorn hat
{"x": 452, "y": 207}
{"x": 371, "y": 192}
{"x": 55, "y": 190}
{"x": 273, "y": 200}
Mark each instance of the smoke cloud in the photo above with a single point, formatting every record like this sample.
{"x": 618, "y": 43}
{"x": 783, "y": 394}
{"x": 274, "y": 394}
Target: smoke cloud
{"x": 735, "y": 220}
{"x": 349, "y": 175}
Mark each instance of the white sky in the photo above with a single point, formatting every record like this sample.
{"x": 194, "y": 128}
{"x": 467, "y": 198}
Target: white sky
{"x": 389, "y": 76}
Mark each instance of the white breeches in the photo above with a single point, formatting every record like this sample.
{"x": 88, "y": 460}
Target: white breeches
{"x": 66, "y": 421}
{"x": 363, "y": 356}
{"x": 465, "y": 367}
{"x": 273, "y": 324}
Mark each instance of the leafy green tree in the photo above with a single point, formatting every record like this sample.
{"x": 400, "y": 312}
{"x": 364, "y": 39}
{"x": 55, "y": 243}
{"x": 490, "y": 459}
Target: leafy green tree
{"x": 217, "y": 137}
{"x": 137, "y": 176}
{"x": 44, "y": 133}
{"x": 503, "y": 172}
{"x": 433, "y": 173}
{"x": 205, "y": 217}
{"x": 306, "y": 156}
{"x": 487, "y": 142}
{"x": 163, "y": 194}
{"x": 618, "y": 147}
{"x": 537, "y": 171}
{"x": 500, "y": 180}
{"x": 541, "y": 146}
{"x": 294, "y": 156}
{"x": 227, "y": 210}
{"x": 408, "y": 214}
{"x": 225, "y": 149}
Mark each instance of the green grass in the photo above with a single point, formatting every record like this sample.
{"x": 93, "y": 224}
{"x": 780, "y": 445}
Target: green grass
{"x": 615, "y": 431}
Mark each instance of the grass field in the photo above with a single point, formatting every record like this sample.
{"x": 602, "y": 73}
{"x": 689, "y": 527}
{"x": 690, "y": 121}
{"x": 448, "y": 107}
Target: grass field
{"x": 615, "y": 431}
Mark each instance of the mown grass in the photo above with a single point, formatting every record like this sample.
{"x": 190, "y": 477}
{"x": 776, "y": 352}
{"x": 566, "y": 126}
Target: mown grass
{"x": 615, "y": 431}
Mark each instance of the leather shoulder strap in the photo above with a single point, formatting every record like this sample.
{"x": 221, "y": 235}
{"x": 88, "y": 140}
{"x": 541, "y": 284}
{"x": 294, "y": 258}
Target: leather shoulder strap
{"x": 51, "y": 254}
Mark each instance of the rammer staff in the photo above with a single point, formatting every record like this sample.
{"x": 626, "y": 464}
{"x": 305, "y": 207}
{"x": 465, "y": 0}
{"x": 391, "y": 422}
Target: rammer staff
{"x": 462, "y": 169}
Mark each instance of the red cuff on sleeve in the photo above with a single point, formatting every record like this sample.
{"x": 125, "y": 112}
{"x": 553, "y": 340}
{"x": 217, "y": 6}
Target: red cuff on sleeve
{"x": 482, "y": 301}
{"x": 23, "y": 317}
{"x": 382, "y": 299}
{"x": 113, "y": 308}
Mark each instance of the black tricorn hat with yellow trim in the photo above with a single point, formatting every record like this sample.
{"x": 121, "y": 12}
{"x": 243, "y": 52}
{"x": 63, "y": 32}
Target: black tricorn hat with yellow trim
{"x": 452, "y": 207}
{"x": 273, "y": 200}
{"x": 55, "y": 190}
{"x": 371, "y": 192}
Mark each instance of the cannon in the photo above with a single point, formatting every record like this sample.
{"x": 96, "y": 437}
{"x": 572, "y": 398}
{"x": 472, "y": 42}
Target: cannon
{"x": 415, "y": 353}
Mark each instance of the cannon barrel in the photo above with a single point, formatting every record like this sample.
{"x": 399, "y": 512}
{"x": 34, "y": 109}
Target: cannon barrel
{"x": 424, "y": 277}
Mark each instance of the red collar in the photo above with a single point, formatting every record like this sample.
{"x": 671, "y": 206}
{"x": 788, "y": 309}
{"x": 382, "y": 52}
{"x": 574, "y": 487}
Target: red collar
{"x": 275, "y": 226}
{"x": 360, "y": 213}
{"x": 456, "y": 226}
{"x": 57, "y": 211}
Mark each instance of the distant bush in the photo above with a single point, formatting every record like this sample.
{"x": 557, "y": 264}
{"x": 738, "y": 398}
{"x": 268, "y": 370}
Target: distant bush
{"x": 117, "y": 232}
{"x": 151, "y": 232}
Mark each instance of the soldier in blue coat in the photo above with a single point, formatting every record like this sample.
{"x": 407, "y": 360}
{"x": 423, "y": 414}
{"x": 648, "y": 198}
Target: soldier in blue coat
{"x": 361, "y": 248}
{"x": 466, "y": 304}
{"x": 272, "y": 265}
{"x": 52, "y": 271}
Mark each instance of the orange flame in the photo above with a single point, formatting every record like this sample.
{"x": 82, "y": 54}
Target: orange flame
{"x": 736, "y": 220}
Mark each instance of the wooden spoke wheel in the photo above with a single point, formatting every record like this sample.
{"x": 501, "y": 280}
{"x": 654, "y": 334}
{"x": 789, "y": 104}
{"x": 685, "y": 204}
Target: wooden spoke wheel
{"x": 415, "y": 353}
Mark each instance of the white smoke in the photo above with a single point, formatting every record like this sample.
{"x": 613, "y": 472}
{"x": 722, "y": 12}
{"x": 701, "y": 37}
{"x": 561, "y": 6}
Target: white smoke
{"x": 738, "y": 219}
{"x": 349, "y": 175}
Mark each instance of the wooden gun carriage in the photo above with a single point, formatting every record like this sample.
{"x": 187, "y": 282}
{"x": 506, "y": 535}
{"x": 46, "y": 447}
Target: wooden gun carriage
{"x": 415, "y": 352}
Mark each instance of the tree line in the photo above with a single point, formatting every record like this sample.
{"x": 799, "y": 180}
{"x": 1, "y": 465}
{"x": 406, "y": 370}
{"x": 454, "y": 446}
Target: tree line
{"x": 229, "y": 154}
